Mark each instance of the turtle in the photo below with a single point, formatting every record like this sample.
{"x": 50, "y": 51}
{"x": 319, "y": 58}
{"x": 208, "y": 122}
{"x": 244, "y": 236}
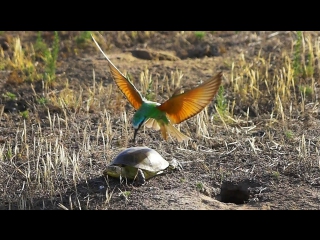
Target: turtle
{"x": 139, "y": 163}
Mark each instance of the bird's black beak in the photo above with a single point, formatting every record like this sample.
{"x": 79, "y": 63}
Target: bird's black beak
{"x": 137, "y": 129}
{"x": 135, "y": 134}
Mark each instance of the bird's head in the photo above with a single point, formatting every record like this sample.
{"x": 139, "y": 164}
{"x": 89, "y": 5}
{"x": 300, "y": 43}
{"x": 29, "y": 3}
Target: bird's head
{"x": 137, "y": 122}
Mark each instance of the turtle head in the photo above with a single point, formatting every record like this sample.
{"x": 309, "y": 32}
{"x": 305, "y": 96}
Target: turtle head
{"x": 113, "y": 171}
{"x": 137, "y": 122}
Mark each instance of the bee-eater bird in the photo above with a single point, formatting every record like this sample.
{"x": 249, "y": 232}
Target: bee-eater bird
{"x": 176, "y": 109}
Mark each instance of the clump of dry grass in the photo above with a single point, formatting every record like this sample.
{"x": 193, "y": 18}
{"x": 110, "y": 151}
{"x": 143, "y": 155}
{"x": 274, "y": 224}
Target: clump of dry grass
{"x": 271, "y": 79}
{"x": 21, "y": 63}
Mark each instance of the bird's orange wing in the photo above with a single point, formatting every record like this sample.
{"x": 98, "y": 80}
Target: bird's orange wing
{"x": 124, "y": 84}
{"x": 183, "y": 106}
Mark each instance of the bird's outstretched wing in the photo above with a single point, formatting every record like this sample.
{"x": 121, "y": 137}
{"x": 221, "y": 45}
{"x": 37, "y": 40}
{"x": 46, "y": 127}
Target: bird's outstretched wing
{"x": 124, "y": 84}
{"x": 183, "y": 106}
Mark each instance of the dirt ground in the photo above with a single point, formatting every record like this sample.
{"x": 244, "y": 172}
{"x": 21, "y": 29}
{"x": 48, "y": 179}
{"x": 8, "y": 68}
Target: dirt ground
{"x": 238, "y": 166}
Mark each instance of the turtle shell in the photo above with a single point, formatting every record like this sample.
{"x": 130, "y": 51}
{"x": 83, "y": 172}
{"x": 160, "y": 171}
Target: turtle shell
{"x": 141, "y": 157}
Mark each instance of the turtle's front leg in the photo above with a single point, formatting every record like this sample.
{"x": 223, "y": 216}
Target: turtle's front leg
{"x": 175, "y": 164}
{"x": 140, "y": 177}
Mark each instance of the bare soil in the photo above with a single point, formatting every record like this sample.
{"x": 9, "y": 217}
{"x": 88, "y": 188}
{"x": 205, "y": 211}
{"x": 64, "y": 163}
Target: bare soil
{"x": 238, "y": 166}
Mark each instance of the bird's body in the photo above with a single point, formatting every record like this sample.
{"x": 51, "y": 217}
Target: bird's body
{"x": 176, "y": 109}
{"x": 148, "y": 109}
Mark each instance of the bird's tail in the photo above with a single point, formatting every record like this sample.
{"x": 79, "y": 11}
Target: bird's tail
{"x": 176, "y": 133}
{"x": 166, "y": 128}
